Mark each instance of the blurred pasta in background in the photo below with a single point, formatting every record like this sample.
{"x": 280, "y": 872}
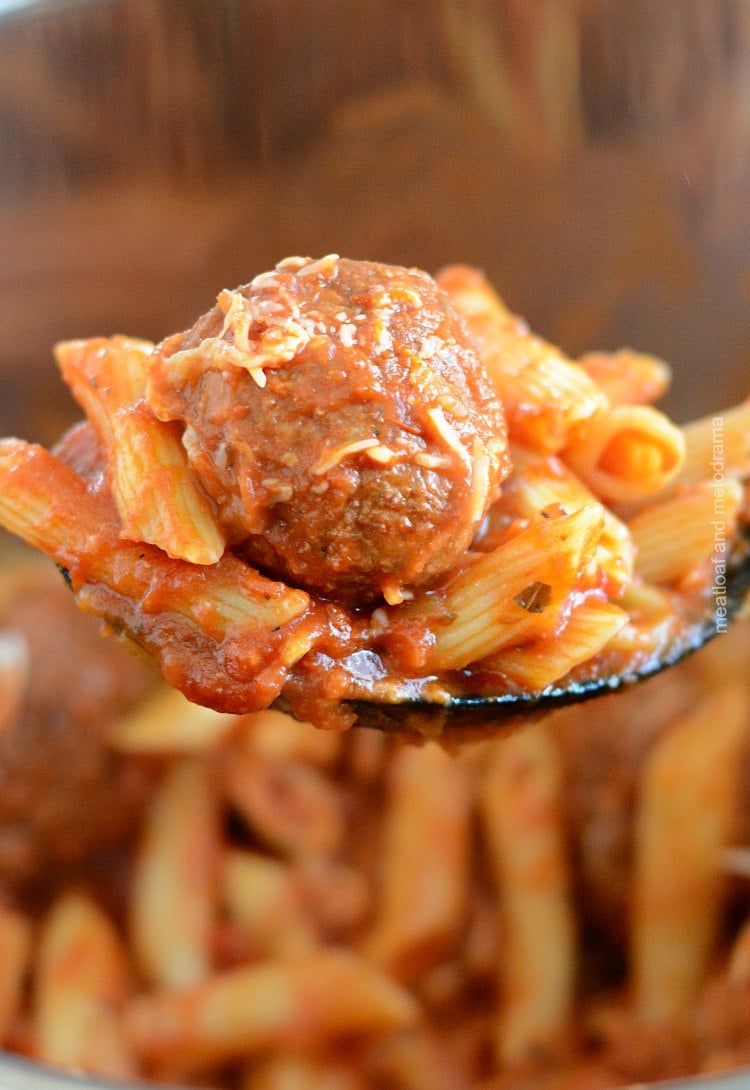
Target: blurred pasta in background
{"x": 277, "y": 906}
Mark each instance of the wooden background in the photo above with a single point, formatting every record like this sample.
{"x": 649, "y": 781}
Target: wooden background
{"x": 592, "y": 155}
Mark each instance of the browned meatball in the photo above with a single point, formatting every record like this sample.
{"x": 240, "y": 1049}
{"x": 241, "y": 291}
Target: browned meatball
{"x": 64, "y": 795}
{"x": 338, "y": 415}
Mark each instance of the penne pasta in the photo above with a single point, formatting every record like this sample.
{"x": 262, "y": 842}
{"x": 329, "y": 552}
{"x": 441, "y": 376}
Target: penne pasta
{"x": 628, "y": 377}
{"x": 522, "y": 819}
{"x": 157, "y": 499}
{"x": 376, "y": 913}
{"x": 174, "y": 881}
{"x": 289, "y": 806}
{"x": 543, "y": 483}
{"x": 425, "y": 872}
{"x": 150, "y": 595}
{"x": 80, "y": 987}
{"x": 684, "y": 821}
{"x": 628, "y": 454}
{"x": 676, "y": 535}
{"x": 337, "y": 896}
{"x": 274, "y": 736}
{"x": 286, "y": 1004}
{"x": 717, "y": 446}
{"x": 264, "y": 896}
{"x": 169, "y": 723}
{"x": 547, "y": 397}
{"x": 484, "y": 608}
{"x": 588, "y": 630}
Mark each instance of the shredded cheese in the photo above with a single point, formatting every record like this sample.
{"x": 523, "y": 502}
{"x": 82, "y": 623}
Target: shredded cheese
{"x": 381, "y": 454}
{"x": 260, "y": 339}
{"x": 323, "y": 265}
{"x": 430, "y": 461}
{"x": 339, "y": 453}
{"x": 447, "y": 433}
{"x": 232, "y": 303}
{"x": 291, "y": 263}
{"x": 480, "y": 482}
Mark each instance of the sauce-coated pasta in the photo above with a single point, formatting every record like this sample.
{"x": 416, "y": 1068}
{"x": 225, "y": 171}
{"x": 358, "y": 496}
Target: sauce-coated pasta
{"x": 349, "y": 481}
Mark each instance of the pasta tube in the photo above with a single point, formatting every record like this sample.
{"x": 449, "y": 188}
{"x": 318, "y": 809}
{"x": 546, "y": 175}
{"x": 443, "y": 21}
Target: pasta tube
{"x": 522, "y": 816}
{"x": 684, "y": 821}
{"x": 80, "y": 988}
{"x": 192, "y": 624}
{"x": 174, "y": 883}
{"x": 157, "y": 499}
{"x": 547, "y": 397}
{"x": 490, "y": 604}
{"x": 275, "y": 1004}
{"x": 674, "y": 536}
{"x": 628, "y": 454}
{"x": 426, "y": 860}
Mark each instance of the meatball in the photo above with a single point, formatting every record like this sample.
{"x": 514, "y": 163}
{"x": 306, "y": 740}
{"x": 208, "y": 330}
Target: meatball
{"x": 339, "y": 417}
{"x": 64, "y": 794}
